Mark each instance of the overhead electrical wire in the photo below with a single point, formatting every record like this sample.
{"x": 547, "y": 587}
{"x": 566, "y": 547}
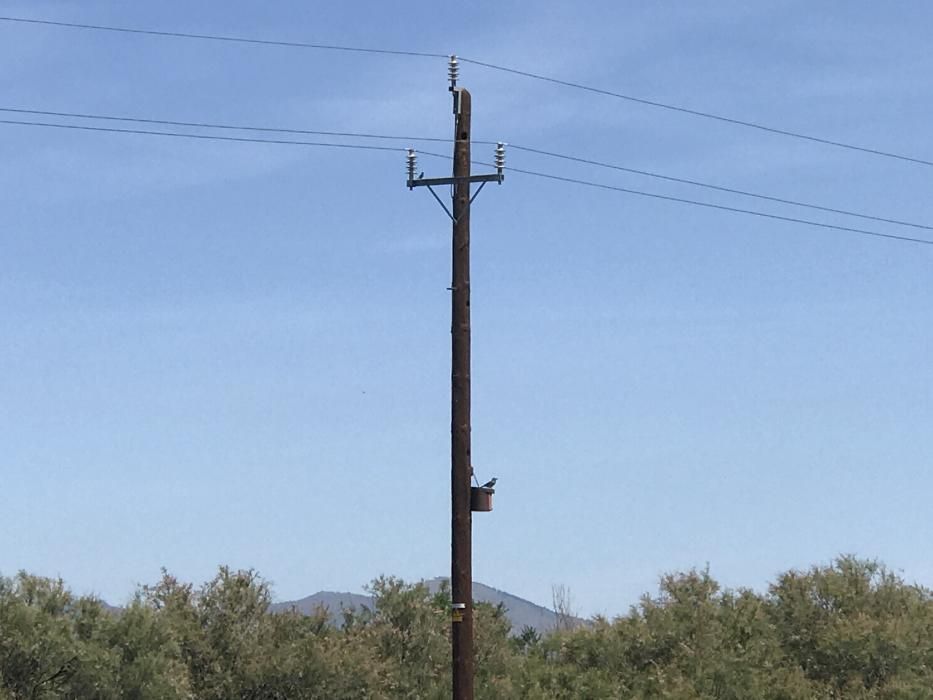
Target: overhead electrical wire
{"x": 550, "y": 176}
{"x": 412, "y": 139}
{"x": 698, "y": 113}
{"x": 719, "y": 188}
{"x": 205, "y": 137}
{"x": 491, "y": 66}
{"x": 231, "y": 127}
{"x": 218, "y": 37}
{"x": 712, "y": 205}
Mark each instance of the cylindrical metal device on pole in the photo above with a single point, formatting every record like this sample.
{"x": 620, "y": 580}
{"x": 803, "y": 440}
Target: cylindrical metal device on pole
{"x": 461, "y": 574}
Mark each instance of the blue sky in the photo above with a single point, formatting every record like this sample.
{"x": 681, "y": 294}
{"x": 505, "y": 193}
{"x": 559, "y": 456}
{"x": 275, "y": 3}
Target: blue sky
{"x": 239, "y": 353}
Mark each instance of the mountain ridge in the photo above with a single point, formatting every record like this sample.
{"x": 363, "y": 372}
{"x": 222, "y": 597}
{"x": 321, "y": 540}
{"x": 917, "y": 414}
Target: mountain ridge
{"x": 519, "y": 611}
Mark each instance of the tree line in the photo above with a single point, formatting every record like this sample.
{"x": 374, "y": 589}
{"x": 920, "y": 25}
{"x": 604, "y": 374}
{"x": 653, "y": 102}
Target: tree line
{"x": 851, "y": 629}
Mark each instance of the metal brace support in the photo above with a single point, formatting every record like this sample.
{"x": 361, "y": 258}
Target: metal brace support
{"x": 444, "y": 206}
{"x": 422, "y": 181}
{"x": 475, "y": 194}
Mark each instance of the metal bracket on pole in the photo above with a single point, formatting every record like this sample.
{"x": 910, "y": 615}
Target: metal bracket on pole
{"x": 422, "y": 181}
{"x": 439, "y": 201}
{"x": 426, "y": 181}
{"x": 476, "y": 194}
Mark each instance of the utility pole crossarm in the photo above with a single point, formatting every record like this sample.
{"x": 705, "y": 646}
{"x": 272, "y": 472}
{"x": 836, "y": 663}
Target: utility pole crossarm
{"x": 456, "y": 180}
{"x": 427, "y": 182}
{"x": 422, "y": 181}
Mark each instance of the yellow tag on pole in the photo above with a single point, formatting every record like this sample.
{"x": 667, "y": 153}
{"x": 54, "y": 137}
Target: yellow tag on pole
{"x": 456, "y": 612}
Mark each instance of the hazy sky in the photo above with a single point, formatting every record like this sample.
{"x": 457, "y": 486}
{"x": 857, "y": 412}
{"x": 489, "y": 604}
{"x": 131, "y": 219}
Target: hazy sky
{"x": 239, "y": 353}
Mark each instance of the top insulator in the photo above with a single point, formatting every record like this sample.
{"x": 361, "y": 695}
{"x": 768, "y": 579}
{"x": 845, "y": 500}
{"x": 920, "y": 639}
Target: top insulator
{"x": 500, "y": 159}
{"x": 453, "y": 71}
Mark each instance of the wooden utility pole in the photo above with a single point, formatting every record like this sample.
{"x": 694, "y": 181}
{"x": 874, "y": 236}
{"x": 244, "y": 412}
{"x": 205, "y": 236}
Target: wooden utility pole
{"x": 461, "y": 467}
{"x": 461, "y": 470}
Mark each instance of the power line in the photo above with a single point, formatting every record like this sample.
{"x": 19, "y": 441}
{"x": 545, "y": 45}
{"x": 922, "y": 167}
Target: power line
{"x": 206, "y": 137}
{"x": 217, "y": 37}
{"x": 411, "y": 139}
{"x": 492, "y": 66}
{"x": 560, "y": 178}
{"x": 232, "y": 127}
{"x": 719, "y": 188}
{"x": 723, "y": 207}
{"x": 698, "y": 113}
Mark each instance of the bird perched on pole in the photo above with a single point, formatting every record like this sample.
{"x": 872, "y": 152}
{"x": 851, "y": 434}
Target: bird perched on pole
{"x": 490, "y": 484}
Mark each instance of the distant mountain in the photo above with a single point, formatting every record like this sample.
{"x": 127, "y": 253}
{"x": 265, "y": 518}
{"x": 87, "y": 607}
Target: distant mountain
{"x": 521, "y": 612}
{"x": 333, "y": 602}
